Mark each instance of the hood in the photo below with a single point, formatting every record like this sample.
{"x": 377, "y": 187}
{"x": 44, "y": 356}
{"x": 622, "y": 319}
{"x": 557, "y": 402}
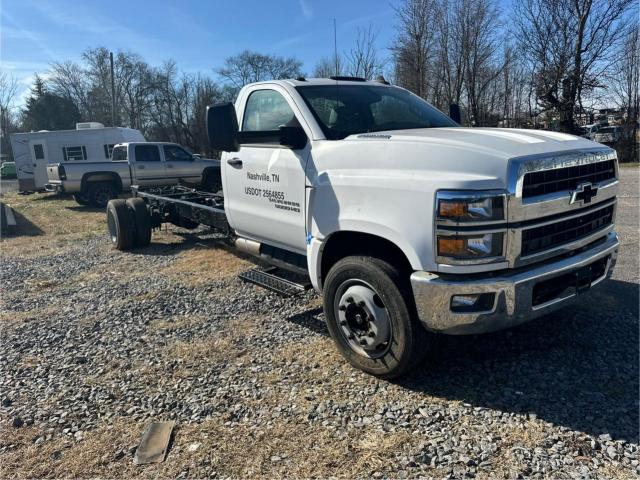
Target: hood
{"x": 500, "y": 142}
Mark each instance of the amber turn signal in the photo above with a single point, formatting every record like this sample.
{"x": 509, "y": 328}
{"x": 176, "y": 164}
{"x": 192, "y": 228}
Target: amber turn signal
{"x": 451, "y": 209}
{"x": 451, "y": 246}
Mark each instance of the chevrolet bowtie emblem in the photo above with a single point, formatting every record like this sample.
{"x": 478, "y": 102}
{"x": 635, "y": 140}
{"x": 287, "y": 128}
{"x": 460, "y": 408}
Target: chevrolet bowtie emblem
{"x": 583, "y": 193}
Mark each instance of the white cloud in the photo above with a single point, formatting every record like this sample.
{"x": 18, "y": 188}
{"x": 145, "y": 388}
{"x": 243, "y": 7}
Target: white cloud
{"x": 16, "y": 31}
{"x": 96, "y": 28}
{"x": 307, "y": 10}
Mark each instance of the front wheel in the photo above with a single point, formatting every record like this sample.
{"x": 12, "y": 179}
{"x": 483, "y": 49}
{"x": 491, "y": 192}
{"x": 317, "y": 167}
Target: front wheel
{"x": 371, "y": 317}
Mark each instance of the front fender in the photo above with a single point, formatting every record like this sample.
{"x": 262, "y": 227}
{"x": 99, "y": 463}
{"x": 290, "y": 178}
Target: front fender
{"x": 374, "y": 206}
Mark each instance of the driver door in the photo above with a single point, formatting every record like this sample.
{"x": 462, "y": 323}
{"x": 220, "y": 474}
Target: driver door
{"x": 265, "y": 183}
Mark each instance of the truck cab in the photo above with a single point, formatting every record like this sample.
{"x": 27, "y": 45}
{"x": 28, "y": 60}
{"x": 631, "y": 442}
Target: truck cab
{"x": 408, "y": 224}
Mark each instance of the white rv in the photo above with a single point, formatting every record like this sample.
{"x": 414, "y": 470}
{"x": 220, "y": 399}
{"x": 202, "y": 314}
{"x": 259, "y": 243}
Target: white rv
{"x": 90, "y": 141}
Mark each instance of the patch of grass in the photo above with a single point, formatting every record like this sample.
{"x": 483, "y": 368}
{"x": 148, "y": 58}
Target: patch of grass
{"x": 47, "y": 223}
{"x": 200, "y": 266}
{"x": 64, "y": 457}
{"x": 281, "y": 450}
{"x": 9, "y": 317}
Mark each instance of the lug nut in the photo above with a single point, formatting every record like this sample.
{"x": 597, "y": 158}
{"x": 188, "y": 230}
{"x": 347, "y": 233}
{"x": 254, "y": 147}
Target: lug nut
{"x": 363, "y": 341}
{"x": 349, "y": 299}
{"x": 342, "y": 308}
{"x": 351, "y": 336}
{"x": 361, "y": 303}
{"x": 372, "y": 334}
{"x": 343, "y": 322}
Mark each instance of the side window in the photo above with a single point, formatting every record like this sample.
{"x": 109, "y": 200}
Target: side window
{"x": 120, "y": 153}
{"x": 38, "y": 151}
{"x": 173, "y": 153}
{"x": 266, "y": 110}
{"x": 107, "y": 150}
{"x": 74, "y": 153}
{"x": 147, "y": 153}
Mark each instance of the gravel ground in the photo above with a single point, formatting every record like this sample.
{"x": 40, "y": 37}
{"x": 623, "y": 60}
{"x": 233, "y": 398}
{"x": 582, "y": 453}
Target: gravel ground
{"x": 96, "y": 343}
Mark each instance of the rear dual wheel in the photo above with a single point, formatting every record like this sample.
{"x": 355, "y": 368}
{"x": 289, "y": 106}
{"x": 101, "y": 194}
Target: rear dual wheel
{"x": 129, "y": 223}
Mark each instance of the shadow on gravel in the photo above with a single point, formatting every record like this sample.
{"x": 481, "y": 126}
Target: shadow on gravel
{"x": 576, "y": 368}
{"x": 82, "y": 208}
{"x": 52, "y": 197}
{"x": 24, "y": 227}
{"x": 309, "y": 319}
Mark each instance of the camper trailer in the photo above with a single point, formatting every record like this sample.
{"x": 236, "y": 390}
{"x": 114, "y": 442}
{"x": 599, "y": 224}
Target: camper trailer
{"x": 90, "y": 141}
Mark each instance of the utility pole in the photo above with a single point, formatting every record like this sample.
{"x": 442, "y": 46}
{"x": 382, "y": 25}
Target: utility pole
{"x": 113, "y": 93}
{"x": 335, "y": 46}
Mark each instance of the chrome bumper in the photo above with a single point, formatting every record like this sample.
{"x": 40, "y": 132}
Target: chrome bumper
{"x": 513, "y": 303}
{"x": 54, "y": 187}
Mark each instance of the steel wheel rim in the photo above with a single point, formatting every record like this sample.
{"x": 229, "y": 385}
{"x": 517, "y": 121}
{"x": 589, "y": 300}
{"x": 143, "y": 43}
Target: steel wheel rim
{"x": 363, "y": 320}
{"x": 111, "y": 225}
{"x": 102, "y": 196}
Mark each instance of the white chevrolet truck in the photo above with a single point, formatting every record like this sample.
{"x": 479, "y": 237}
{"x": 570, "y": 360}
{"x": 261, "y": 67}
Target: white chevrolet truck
{"x": 407, "y": 224}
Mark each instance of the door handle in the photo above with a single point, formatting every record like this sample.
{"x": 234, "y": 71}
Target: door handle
{"x": 235, "y": 162}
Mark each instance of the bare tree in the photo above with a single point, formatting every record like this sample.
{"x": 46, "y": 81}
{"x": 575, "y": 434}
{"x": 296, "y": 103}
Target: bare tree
{"x": 363, "y": 60}
{"x": 569, "y": 47}
{"x": 450, "y": 63}
{"x": 248, "y": 67}
{"x": 625, "y": 77}
{"x": 8, "y": 120}
{"x": 480, "y": 23}
{"x": 329, "y": 66}
{"x": 414, "y": 46}
{"x": 625, "y": 89}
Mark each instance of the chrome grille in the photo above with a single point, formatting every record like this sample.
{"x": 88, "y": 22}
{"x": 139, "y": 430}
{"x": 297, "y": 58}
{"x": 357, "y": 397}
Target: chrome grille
{"x": 568, "y": 178}
{"x": 545, "y": 237}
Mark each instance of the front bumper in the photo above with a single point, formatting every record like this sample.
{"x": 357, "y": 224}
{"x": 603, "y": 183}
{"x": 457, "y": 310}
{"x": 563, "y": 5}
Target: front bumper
{"x": 516, "y": 295}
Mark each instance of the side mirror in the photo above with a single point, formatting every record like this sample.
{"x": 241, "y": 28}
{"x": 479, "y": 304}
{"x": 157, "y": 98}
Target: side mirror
{"x": 222, "y": 127}
{"x": 454, "y": 112}
{"x": 293, "y": 137}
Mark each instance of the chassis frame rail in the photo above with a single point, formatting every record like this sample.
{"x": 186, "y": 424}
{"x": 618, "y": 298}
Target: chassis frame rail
{"x": 178, "y": 203}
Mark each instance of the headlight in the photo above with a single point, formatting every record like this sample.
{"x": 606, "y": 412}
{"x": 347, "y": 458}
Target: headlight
{"x": 469, "y": 206}
{"x": 469, "y": 247}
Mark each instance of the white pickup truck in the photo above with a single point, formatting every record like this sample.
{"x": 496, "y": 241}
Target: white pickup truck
{"x": 139, "y": 163}
{"x": 406, "y": 223}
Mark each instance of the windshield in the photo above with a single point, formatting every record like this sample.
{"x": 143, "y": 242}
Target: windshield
{"x": 343, "y": 110}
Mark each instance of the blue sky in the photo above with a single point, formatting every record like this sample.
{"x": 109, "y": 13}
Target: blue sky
{"x": 197, "y": 34}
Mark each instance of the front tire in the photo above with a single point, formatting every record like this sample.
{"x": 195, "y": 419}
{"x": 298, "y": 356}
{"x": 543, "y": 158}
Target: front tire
{"x": 121, "y": 225}
{"x": 371, "y": 317}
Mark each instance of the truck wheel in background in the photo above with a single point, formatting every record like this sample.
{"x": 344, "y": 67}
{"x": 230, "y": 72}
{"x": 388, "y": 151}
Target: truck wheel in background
{"x": 81, "y": 199}
{"x": 99, "y": 193}
{"x": 142, "y": 221}
{"x": 371, "y": 316}
{"x": 121, "y": 224}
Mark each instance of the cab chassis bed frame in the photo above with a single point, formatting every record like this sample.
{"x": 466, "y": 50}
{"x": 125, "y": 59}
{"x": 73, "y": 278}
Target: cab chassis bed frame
{"x": 178, "y": 203}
